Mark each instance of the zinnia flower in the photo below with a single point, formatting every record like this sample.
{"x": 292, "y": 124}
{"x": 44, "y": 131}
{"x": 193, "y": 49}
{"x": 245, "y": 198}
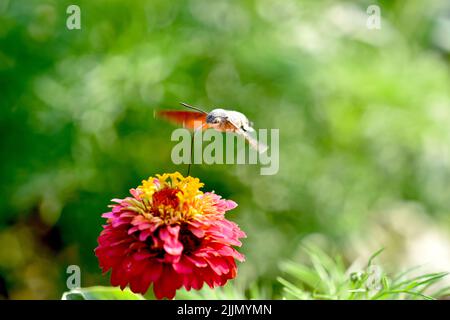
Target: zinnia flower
{"x": 169, "y": 234}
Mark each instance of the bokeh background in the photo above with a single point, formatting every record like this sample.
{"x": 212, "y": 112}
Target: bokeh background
{"x": 364, "y": 119}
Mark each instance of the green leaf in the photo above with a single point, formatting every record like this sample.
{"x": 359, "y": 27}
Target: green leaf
{"x": 373, "y": 256}
{"x": 412, "y": 293}
{"x": 229, "y": 292}
{"x": 101, "y": 293}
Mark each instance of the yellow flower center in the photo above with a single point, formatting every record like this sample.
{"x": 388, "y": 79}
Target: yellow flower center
{"x": 171, "y": 198}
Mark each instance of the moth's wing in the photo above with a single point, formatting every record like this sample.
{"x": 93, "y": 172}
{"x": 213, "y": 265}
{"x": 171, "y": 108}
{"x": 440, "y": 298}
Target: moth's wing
{"x": 255, "y": 144}
{"x": 188, "y": 119}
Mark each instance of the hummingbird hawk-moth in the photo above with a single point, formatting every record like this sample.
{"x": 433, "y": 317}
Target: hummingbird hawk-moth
{"x": 219, "y": 119}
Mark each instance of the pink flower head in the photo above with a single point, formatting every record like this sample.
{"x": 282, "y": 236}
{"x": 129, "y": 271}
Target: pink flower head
{"x": 169, "y": 234}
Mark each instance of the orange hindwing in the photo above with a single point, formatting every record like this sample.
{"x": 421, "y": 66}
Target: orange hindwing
{"x": 188, "y": 119}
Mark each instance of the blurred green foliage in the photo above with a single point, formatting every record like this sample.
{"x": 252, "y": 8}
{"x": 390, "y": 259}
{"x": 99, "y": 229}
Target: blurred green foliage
{"x": 364, "y": 118}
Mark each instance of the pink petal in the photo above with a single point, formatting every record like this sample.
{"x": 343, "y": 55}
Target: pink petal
{"x": 170, "y": 237}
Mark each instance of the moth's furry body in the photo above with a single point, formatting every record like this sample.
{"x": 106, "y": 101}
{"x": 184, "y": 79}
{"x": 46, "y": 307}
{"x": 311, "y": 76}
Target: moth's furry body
{"x": 228, "y": 120}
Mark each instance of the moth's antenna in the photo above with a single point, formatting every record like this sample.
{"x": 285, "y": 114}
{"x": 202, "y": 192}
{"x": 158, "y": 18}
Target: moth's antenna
{"x": 192, "y": 107}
